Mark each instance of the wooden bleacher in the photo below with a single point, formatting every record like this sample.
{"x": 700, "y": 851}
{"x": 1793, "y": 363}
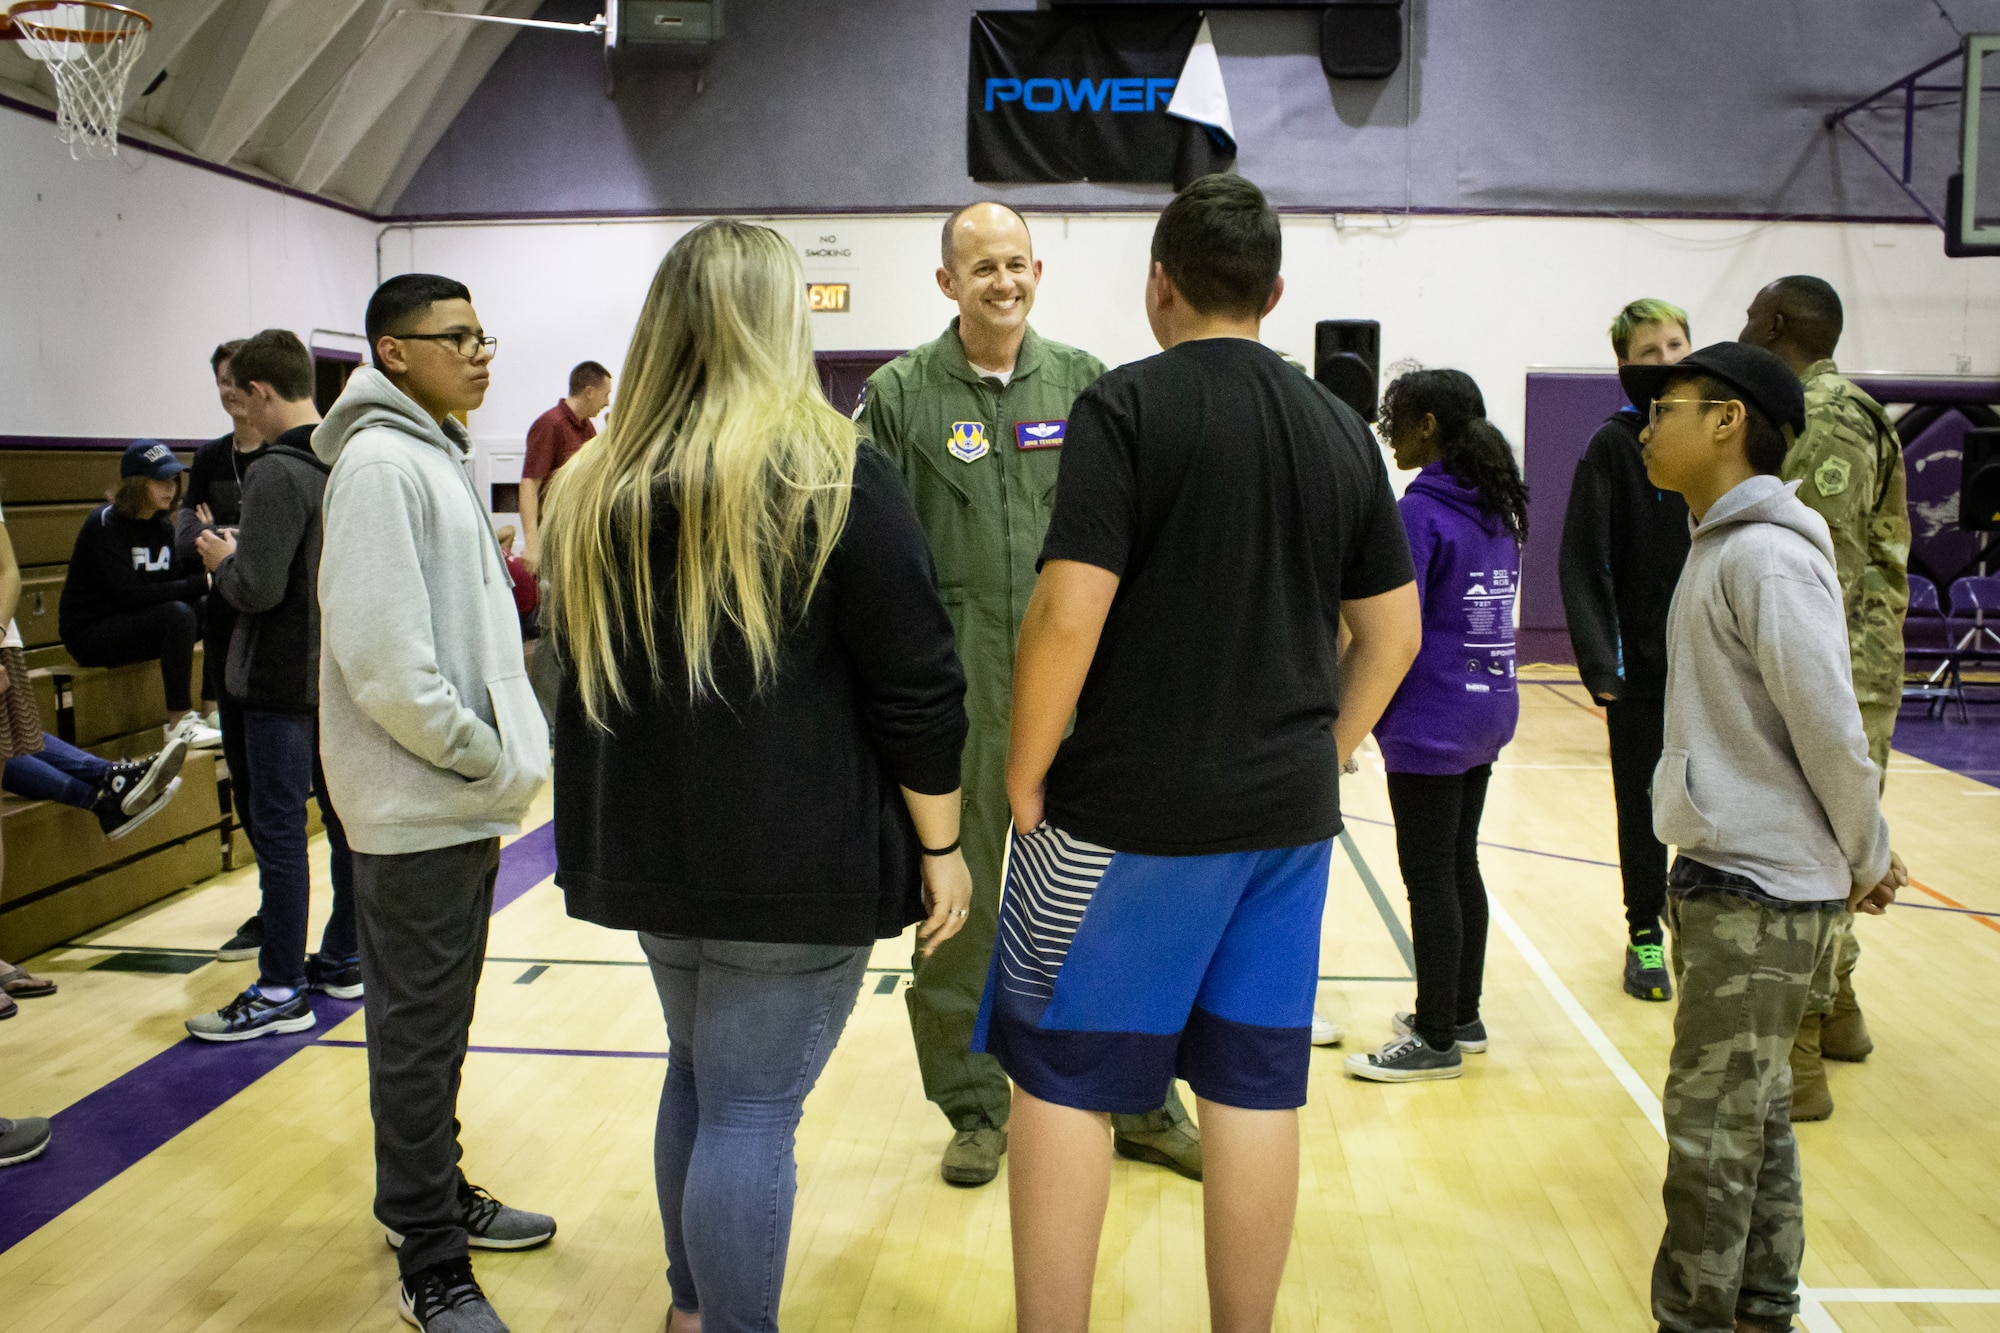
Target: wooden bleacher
{"x": 63, "y": 877}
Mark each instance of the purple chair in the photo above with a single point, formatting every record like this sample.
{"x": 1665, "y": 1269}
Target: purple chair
{"x": 1974, "y": 617}
{"x": 1930, "y": 654}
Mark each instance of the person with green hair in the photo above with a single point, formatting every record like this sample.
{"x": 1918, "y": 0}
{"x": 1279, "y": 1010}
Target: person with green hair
{"x": 1624, "y": 541}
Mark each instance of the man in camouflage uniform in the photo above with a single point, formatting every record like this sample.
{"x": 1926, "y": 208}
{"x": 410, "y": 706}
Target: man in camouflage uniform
{"x": 975, "y": 421}
{"x": 1849, "y": 466}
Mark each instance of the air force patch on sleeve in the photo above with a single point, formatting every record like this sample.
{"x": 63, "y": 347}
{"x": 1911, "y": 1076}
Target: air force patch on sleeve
{"x": 1832, "y": 475}
{"x": 1040, "y": 434}
{"x": 968, "y": 441}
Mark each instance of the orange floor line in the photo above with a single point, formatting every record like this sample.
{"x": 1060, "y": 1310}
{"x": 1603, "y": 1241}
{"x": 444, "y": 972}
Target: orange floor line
{"x": 1985, "y": 921}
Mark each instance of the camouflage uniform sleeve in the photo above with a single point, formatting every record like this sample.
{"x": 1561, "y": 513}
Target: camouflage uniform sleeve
{"x": 1834, "y": 464}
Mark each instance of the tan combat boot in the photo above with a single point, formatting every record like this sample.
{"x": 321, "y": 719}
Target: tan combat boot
{"x": 1812, "y": 1099}
{"x": 1844, "y": 1034}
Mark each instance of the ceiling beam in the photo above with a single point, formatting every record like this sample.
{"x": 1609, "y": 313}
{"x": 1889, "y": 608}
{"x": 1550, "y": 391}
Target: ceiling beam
{"x": 289, "y": 37}
{"x": 175, "y": 23}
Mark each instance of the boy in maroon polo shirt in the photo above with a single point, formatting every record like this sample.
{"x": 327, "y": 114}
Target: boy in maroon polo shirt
{"x": 553, "y": 440}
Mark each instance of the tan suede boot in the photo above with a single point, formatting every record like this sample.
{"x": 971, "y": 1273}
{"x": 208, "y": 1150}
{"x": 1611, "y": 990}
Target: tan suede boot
{"x": 1844, "y": 1033}
{"x": 1812, "y": 1099}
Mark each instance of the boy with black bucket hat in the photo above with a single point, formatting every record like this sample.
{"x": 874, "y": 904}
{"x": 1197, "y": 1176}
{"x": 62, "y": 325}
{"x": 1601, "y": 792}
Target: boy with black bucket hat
{"x": 1766, "y": 789}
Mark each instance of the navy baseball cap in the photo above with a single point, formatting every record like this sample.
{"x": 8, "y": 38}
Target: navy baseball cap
{"x": 150, "y": 458}
{"x": 1765, "y": 382}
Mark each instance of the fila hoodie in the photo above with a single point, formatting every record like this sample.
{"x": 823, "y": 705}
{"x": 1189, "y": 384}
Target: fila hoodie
{"x": 429, "y": 731}
{"x": 1766, "y": 771}
{"x": 120, "y": 566}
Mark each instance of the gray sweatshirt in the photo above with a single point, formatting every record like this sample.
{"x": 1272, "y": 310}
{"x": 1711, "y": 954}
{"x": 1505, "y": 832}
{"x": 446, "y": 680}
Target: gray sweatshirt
{"x": 429, "y": 731}
{"x": 1766, "y": 770}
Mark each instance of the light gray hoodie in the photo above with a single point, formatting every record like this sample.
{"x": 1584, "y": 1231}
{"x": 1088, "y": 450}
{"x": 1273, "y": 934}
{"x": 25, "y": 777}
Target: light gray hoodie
{"x": 1766, "y": 770}
{"x": 428, "y": 728}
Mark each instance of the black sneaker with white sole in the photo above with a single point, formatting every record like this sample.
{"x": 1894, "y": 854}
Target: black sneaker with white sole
{"x": 137, "y": 781}
{"x": 491, "y": 1225}
{"x": 251, "y": 1015}
{"x": 116, "y": 822}
{"x": 247, "y": 942}
{"x": 445, "y": 1298}
{"x": 1407, "y": 1059}
{"x": 338, "y": 977}
{"x": 1471, "y": 1036}
{"x": 22, "y": 1140}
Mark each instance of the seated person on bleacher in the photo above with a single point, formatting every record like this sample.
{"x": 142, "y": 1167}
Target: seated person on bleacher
{"x": 127, "y": 599}
{"x": 41, "y": 767}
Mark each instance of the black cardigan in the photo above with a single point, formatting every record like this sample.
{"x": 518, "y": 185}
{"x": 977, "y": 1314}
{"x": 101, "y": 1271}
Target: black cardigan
{"x": 776, "y": 817}
{"x": 1623, "y": 544}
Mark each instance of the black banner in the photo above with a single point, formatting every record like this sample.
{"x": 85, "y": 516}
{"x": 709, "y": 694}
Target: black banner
{"x": 1072, "y": 96}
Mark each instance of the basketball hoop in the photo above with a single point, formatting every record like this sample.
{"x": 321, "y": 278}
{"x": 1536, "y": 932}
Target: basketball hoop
{"x": 90, "y": 48}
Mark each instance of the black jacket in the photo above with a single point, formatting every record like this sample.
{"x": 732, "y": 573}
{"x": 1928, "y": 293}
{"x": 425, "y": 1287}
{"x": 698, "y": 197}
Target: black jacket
{"x": 120, "y": 566}
{"x": 273, "y": 578}
{"x": 1624, "y": 542}
{"x": 774, "y": 817}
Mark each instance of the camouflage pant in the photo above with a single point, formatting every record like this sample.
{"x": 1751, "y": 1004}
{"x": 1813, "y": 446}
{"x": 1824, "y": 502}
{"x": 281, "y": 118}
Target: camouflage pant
{"x": 1746, "y": 972}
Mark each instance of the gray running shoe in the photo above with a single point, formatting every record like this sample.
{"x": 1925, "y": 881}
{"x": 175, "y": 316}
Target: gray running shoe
{"x": 22, "y": 1140}
{"x": 1471, "y": 1036}
{"x": 1407, "y": 1059}
{"x": 491, "y": 1225}
{"x": 251, "y": 1015}
{"x": 445, "y": 1298}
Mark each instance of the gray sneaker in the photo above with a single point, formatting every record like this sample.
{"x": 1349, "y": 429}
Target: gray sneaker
{"x": 1471, "y": 1036}
{"x": 1407, "y": 1059}
{"x": 445, "y": 1298}
{"x": 22, "y": 1140}
{"x": 491, "y": 1225}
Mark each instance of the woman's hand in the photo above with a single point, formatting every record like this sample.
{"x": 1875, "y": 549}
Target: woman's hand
{"x": 948, "y": 898}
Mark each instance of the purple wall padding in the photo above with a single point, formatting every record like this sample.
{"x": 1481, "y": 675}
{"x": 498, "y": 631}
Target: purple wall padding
{"x": 1932, "y": 461}
{"x": 85, "y": 442}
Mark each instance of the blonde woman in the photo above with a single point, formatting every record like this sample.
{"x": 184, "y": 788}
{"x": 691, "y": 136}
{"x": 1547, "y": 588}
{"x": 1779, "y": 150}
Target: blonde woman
{"x": 757, "y": 734}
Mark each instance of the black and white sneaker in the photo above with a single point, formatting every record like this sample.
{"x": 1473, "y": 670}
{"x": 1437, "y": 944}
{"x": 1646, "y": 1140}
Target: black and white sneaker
{"x": 116, "y": 822}
{"x": 137, "y": 781}
{"x": 22, "y": 1140}
{"x": 1471, "y": 1036}
{"x": 445, "y": 1298}
{"x": 247, "y": 942}
{"x": 340, "y": 978}
{"x": 1407, "y": 1059}
{"x": 491, "y": 1225}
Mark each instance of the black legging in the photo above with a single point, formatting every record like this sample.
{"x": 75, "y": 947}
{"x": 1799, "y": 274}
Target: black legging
{"x": 166, "y": 631}
{"x": 1437, "y": 844}
{"x": 1638, "y": 730}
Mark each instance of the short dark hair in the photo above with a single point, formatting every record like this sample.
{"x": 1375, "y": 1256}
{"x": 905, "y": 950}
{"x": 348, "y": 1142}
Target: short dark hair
{"x": 407, "y": 294}
{"x": 1763, "y": 443}
{"x": 587, "y": 375}
{"x": 1813, "y": 317}
{"x": 1219, "y": 243}
{"x": 275, "y": 357}
{"x": 945, "y": 246}
{"x": 222, "y": 353}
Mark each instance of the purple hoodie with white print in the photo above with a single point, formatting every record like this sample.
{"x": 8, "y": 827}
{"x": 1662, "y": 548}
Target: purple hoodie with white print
{"x": 1458, "y": 704}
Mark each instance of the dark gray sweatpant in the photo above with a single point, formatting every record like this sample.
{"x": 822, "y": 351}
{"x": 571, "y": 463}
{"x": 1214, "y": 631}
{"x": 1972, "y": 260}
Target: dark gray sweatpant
{"x": 421, "y": 917}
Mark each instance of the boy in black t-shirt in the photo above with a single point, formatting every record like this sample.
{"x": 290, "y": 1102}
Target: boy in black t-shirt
{"x": 1217, "y": 514}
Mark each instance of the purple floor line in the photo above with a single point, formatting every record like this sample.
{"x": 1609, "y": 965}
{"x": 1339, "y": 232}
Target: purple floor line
{"x": 99, "y": 1136}
{"x": 532, "y": 1050}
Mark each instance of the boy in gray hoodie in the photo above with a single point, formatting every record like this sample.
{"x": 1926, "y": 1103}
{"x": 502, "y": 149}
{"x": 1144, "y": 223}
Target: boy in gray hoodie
{"x": 433, "y": 747}
{"x": 1766, "y": 790}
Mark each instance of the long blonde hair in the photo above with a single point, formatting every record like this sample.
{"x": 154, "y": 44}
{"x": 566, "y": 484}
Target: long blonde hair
{"x": 720, "y": 408}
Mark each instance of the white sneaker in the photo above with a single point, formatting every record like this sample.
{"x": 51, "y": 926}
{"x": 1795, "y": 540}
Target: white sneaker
{"x": 198, "y": 734}
{"x": 1326, "y": 1032}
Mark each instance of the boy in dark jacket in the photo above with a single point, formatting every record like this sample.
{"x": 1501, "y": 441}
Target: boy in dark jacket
{"x": 269, "y": 572}
{"x": 1624, "y": 540}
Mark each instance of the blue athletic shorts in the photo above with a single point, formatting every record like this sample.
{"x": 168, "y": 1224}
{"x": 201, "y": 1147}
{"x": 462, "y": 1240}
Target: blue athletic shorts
{"x": 1115, "y": 972}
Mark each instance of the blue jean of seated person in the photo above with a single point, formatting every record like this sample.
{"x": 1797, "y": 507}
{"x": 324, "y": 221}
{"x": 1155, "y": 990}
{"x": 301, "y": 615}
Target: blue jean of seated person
{"x": 58, "y": 772}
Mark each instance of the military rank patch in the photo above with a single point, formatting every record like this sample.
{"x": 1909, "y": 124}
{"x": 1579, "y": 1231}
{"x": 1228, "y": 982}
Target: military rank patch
{"x": 1831, "y": 477}
{"x": 1040, "y": 434}
{"x": 968, "y": 441}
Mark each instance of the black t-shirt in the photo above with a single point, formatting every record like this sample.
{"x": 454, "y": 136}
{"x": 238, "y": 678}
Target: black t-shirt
{"x": 215, "y": 478}
{"x": 1238, "y": 501}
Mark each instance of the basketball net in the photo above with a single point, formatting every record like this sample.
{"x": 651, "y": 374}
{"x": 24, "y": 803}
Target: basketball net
{"x": 90, "y": 49}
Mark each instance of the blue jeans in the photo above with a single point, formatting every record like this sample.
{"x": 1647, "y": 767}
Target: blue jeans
{"x": 282, "y": 750}
{"x": 749, "y": 1028}
{"x": 59, "y": 772}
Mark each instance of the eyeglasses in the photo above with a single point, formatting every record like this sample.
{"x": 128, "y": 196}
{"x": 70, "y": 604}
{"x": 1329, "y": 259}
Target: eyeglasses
{"x": 1653, "y": 413}
{"x": 467, "y": 345}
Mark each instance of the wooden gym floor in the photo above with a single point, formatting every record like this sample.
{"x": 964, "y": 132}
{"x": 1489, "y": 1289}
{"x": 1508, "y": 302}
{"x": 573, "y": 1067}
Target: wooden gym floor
{"x": 218, "y": 1188}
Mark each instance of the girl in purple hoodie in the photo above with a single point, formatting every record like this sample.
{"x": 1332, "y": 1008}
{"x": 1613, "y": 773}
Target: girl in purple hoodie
{"x": 1467, "y": 515}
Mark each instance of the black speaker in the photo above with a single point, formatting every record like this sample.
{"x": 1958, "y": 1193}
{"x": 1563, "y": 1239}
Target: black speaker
{"x": 1979, "y": 482}
{"x": 1347, "y": 359}
{"x": 1361, "y": 39}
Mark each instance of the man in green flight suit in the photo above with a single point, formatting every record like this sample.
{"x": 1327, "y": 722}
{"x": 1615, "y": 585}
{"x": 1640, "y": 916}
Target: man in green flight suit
{"x": 1849, "y": 466}
{"x": 975, "y": 421}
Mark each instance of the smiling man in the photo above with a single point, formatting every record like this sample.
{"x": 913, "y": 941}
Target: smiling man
{"x": 976, "y": 421}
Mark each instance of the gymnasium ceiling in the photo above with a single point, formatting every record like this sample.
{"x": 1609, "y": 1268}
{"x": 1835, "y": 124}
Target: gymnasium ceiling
{"x": 343, "y": 98}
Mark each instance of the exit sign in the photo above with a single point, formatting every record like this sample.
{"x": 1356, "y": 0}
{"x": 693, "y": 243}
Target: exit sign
{"x": 826, "y": 297}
